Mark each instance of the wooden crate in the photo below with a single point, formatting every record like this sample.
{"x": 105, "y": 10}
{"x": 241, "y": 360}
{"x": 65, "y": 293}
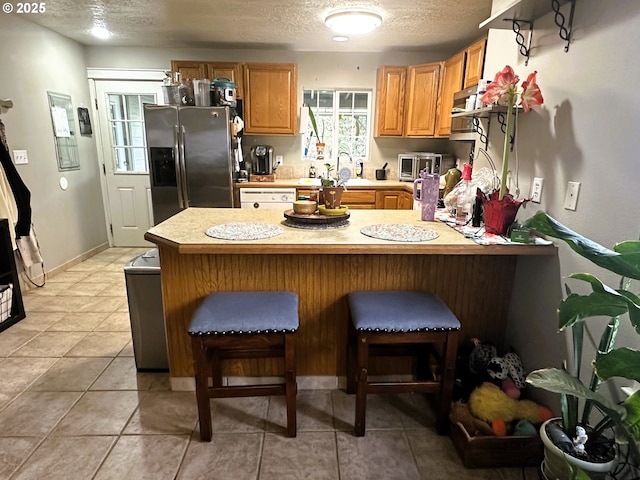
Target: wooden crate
{"x": 486, "y": 452}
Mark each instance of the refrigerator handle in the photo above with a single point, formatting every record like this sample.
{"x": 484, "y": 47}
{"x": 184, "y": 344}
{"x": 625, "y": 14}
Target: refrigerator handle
{"x": 183, "y": 168}
{"x": 177, "y": 154}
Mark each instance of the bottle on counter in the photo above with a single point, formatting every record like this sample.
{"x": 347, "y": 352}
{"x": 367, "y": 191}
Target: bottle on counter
{"x": 312, "y": 172}
{"x": 466, "y": 197}
{"x": 358, "y": 169}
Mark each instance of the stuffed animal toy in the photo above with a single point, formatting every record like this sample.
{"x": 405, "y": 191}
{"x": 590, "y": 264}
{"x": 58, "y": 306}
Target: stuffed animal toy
{"x": 509, "y": 366}
{"x": 480, "y": 356}
{"x": 474, "y": 426}
{"x": 489, "y": 403}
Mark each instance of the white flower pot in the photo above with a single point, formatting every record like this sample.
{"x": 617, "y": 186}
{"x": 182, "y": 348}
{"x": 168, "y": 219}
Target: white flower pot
{"x": 555, "y": 465}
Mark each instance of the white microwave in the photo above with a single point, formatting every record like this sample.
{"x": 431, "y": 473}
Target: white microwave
{"x": 412, "y": 163}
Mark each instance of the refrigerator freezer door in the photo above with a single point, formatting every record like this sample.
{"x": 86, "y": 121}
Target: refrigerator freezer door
{"x": 208, "y": 165}
{"x": 161, "y": 125}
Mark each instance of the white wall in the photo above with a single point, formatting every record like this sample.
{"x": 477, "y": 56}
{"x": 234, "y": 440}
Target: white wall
{"x": 35, "y": 60}
{"x": 587, "y": 131}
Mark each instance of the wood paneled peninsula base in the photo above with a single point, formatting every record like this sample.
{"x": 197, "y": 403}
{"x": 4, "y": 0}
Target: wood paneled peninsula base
{"x": 322, "y": 266}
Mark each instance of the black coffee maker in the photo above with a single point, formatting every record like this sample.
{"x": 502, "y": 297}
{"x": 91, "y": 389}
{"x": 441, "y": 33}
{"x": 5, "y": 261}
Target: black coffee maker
{"x": 262, "y": 159}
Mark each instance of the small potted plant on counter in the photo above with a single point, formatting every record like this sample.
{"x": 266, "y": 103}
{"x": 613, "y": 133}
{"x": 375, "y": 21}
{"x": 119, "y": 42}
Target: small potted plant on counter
{"x": 571, "y": 440}
{"x": 332, "y": 189}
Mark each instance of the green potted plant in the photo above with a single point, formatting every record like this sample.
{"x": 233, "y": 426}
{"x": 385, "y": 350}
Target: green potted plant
{"x": 602, "y": 303}
{"x": 319, "y": 136}
{"x": 332, "y": 188}
{"x": 500, "y": 207}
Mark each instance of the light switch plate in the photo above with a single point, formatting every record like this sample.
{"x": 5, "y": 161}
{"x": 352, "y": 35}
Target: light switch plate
{"x": 571, "y": 199}
{"x": 20, "y": 157}
{"x": 536, "y": 189}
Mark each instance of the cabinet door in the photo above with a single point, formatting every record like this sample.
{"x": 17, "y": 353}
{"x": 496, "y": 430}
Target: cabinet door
{"x": 474, "y": 63}
{"x": 422, "y": 98}
{"x": 390, "y": 98}
{"x": 405, "y": 201}
{"x": 271, "y": 99}
{"x": 452, "y": 75}
{"x": 189, "y": 68}
{"x": 230, "y": 70}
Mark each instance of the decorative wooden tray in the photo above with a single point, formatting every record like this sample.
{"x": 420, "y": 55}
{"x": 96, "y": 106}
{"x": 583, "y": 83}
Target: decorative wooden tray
{"x": 314, "y": 218}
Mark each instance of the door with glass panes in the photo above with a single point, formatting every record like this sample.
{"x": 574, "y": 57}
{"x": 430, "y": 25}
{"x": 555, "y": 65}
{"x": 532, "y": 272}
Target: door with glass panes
{"x": 124, "y": 153}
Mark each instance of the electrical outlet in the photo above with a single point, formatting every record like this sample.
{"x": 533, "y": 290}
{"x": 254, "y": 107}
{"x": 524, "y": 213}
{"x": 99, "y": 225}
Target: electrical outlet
{"x": 20, "y": 157}
{"x": 279, "y": 160}
{"x": 571, "y": 199}
{"x": 536, "y": 189}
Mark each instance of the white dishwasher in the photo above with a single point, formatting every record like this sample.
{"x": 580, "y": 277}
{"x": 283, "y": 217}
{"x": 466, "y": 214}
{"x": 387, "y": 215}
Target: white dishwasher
{"x": 282, "y": 198}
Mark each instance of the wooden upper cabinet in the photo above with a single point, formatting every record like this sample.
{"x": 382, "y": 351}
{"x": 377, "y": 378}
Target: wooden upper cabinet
{"x": 271, "y": 99}
{"x": 390, "y": 98}
{"x": 474, "y": 64}
{"x": 211, "y": 70}
{"x": 450, "y": 83}
{"x": 422, "y": 98}
{"x": 230, "y": 70}
{"x": 189, "y": 69}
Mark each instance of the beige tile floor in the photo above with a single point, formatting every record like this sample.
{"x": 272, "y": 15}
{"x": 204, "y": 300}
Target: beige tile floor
{"x": 73, "y": 406}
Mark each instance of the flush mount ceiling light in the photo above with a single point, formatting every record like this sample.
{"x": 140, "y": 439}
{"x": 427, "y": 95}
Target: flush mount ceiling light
{"x": 100, "y": 32}
{"x": 340, "y": 38}
{"x": 353, "y": 22}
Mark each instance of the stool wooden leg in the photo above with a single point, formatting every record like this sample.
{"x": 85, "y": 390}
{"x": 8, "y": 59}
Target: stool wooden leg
{"x": 361, "y": 384}
{"x": 202, "y": 386}
{"x": 216, "y": 367}
{"x": 448, "y": 374}
{"x": 351, "y": 360}
{"x": 291, "y": 385}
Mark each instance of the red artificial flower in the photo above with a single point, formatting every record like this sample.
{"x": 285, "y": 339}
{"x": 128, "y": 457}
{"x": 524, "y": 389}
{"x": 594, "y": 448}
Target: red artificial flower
{"x": 531, "y": 94}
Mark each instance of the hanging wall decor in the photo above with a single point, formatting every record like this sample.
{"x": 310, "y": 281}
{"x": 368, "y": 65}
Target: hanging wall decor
{"x": 84, "y": 121}
{"x": 64, "y": 134}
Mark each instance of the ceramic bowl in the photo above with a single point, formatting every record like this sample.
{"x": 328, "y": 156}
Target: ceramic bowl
{"x": 305, "y": 207}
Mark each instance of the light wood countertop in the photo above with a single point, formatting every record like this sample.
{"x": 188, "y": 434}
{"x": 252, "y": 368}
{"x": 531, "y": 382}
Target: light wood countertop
{"x": 294, "y": 183}
{"x": 186, "y": 232}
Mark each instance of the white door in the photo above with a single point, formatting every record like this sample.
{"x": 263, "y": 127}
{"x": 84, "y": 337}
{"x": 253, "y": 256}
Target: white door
{"x": 121, "y": 143}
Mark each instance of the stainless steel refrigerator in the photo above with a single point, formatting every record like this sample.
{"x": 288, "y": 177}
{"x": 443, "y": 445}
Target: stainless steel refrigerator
{"x": 191, "y": 160}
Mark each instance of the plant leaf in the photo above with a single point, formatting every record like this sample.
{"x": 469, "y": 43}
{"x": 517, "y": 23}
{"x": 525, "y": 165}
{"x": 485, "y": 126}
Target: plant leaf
{"x": 575, "y": 308}
{"x": 312, "y": 117}
{"x": 620, "y": 362}
{"x": 632, "y": 421}
{"x": 559, "y": 381}
{"x": 623, "y": 261}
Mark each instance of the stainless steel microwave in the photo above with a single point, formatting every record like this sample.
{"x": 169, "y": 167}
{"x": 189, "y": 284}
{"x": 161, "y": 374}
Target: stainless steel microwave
{"x": 412, "y": 163}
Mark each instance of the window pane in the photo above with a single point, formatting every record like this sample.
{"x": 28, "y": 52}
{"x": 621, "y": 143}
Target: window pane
{"x": 346, "y": 100}
{"x": 343, "y": 126}
{"x": 325, "y": 99}
{"x": 361, "y": 101}
{"x": 127, "y": 132}
{"x": 133, "y": 107}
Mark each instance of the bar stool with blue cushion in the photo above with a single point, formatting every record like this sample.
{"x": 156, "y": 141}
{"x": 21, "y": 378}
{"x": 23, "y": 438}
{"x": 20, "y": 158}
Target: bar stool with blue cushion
{"x": 401, "y": 323}
{"x": 243, "y": 325}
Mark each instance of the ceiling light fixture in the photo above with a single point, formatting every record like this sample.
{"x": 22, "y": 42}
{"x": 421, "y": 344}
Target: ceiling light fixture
{"x": 340, "y": 38}
{"x": 100, "y": 32}
{"x": 353, "y": 21}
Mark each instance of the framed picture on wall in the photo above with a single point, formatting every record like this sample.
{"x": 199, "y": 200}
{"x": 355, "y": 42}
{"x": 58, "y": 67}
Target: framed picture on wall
{"x": 84, "y": 121}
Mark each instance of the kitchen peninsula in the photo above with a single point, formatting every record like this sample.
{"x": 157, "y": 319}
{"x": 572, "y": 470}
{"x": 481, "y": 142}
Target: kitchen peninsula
{"x": 322, "y": 266}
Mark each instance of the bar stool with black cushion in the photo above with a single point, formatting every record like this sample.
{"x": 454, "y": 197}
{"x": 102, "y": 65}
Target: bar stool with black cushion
{"x": 402, "y": 323}
{"x": 243, "y": 325}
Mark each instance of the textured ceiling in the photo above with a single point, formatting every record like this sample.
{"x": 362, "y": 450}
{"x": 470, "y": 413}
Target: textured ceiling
{"x": 281, "y": 24}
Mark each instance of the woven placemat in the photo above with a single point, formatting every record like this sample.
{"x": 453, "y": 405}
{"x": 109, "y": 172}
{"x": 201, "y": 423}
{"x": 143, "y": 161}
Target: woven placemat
{"x": 244, "y": 231}
{"x": 399, "y": 232}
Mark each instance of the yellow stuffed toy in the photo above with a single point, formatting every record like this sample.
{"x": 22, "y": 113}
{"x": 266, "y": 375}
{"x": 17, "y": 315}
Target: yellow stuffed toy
{"x": 489, "y": 403}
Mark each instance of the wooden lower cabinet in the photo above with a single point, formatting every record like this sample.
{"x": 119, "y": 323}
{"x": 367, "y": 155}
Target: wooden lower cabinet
{"x": 394, "y": 200}
{"x": 354, "y": 199}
